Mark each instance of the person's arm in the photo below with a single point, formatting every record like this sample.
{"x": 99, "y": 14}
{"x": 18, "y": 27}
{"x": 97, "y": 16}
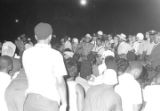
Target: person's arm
{"x": 61, "y": 86}
{"x": 60, "y": 71}
{"x": 119, "y": 105}
{"x": 80, "y": 97}
{"x": 137, "y": 98}
{"x": 137, "y": 107}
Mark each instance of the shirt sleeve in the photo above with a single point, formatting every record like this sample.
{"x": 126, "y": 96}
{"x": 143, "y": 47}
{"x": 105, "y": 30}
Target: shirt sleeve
{"x": 59, "y": 67}
{"x": 137, "y": 94}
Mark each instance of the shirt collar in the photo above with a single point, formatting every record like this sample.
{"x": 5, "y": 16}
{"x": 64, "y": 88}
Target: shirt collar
{"x": 4, "y": 73}
{"x": 43, "y": 45}
{"x": 126, "y": 77}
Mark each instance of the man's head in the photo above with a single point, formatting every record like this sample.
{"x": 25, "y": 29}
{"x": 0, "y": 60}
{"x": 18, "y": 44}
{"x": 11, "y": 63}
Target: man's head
{"x": 43, "y": 32}
{"x": 135, "y": 68}
{"x": 71, "y": 66}
{"x": 122, "y": 66}
{"x": 111, "y": 63}
{"x": 99, "y": 41}
{"x": 140, "y": 36}
{"x": 6, "y": 64}
{"x": 87, "y": 38}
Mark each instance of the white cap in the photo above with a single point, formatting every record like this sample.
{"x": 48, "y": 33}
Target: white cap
{"x": 108, "y": 53}
{"x": 110, "y": 77}
{"x": 140, "y": 36}
{"x": 100, "y": 32}
{"x": 75, "y": 40}
{"x": 88, "y": 36}
{"x": 8, "y": 48}
{"x": 122, "y": 36}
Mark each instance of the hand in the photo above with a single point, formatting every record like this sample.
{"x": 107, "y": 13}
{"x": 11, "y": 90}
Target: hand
{"x": 63, "y": 107}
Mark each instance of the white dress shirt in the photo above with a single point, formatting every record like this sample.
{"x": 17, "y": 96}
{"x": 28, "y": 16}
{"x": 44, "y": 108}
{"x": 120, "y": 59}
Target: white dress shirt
{"x": 130, "y": 91}
{"x": 123, "y": 48}
{"x": 43, "y": 65}
{"x": 151, "y": 96}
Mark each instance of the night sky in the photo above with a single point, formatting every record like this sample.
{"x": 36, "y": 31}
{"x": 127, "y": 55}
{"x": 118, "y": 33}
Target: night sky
{"x": 68, "y": 17}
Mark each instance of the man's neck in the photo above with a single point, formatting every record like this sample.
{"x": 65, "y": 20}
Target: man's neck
{"x": 45, "y": 42}
{"x": 109, "y": 86}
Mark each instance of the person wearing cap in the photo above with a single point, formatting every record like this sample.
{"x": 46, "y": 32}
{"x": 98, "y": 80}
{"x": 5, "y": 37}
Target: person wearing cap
{"x": 85, "y": 47}
{"x": 67, "y": 43}
{"x": 99, "y": 48}
{"x": 139, "y": 44}
{"x": 154, "y": 57}
{"x": 100, "y": 34}
{"x": 75, "y": 43}
{"x": 8, "y": 48}
{"x": 123, "y": 47}
{"x": 149, "y": 43}
{"x": 44, "y": 69}
{"x": 6, "y": 65}
{"x": 129, "y": 89}
{"x": 102, "y": 97}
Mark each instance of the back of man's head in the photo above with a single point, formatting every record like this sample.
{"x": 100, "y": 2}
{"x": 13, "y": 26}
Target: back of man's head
{"x": 6, "y": 64}
{"x": 43, "y": 31}
{"x": 122, "y": 65}
{"x": 135, "y": 68}
{"x": 71, "y": 66}
{"x": 111, "y": 63}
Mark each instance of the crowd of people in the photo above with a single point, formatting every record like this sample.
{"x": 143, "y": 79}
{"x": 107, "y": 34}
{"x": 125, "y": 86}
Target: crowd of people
{"x": 99, "y": 72}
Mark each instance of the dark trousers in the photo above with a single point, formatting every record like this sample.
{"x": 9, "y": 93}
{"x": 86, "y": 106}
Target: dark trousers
{"x": 36, "y": 102}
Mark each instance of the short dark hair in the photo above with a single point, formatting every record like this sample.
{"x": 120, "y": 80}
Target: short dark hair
{"x": 111, "y": 63}
{"x": 72, "y": 68}
{"x": 122, "y": 65}
{"x": 43, "y": 30}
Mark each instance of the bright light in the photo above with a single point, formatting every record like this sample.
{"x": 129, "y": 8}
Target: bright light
{"x": 16, "y": 20}
{"x": 83, "y": 2}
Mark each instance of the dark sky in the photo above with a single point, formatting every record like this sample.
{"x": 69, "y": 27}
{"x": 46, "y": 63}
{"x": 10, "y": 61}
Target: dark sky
{"x": 69, "y": 17}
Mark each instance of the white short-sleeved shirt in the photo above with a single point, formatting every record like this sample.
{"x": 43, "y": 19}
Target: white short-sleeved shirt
{"x": 123, "y": 48}
{"x": 130, "y": 91}
{"x": 5, "y": 80}
{"x": 43, "y": 65}
{"x": 151, "y": 96}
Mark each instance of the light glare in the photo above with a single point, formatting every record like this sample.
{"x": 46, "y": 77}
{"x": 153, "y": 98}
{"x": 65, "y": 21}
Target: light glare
{"x": 83, "y": 2}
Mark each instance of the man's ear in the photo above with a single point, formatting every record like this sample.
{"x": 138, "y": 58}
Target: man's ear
{"x": 49, "y": 38}
{"x": 36, "y": 37}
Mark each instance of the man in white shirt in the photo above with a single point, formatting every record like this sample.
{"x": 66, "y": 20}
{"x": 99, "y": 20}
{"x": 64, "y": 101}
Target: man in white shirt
{"x": 123, "y": 47}
{"x": 129, "y": 89}
{"x": 6, "y": 65}
{"x": 44, "y": 69}
{"x": 151, "y": 95}
{"x": 102, "y": 97}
